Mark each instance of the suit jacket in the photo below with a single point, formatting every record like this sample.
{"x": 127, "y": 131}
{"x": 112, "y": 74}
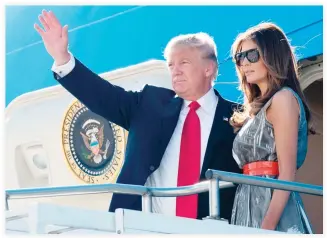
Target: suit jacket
{"x": 150, "y": 116}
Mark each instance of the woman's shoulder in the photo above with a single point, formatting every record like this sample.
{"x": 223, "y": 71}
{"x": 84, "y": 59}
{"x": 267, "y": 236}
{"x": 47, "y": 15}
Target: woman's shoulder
{"x": 284, "y": 104}
{"x": 285, "y": 97}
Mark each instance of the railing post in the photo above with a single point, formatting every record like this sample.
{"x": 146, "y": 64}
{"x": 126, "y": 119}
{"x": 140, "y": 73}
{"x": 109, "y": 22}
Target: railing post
{"x": 7, "y": 206}
{"x": 147, "y": 203}
{"x": 214, "y": 199}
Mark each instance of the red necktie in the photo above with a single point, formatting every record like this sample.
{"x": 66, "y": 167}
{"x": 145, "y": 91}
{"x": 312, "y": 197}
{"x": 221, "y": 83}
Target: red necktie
{"x": 189, "y": 162}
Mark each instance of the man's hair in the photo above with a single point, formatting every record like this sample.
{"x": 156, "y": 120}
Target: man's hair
{"x": 201, "y": 41}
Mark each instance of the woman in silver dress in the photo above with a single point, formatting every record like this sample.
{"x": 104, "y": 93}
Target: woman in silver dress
{"x": 272, "y": 130}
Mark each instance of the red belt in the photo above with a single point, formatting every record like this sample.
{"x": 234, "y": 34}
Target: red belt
{"x": 261, "y": 168}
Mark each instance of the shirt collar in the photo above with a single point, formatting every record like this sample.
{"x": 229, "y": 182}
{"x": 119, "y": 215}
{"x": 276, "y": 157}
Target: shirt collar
{"x": 208, "y": 102}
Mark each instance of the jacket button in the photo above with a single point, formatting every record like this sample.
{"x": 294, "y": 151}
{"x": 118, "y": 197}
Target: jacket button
{"x": 151, "y": 167}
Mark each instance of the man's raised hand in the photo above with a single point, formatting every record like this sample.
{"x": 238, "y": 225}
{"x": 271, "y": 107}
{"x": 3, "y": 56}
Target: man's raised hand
{"x": 54, "y": 36}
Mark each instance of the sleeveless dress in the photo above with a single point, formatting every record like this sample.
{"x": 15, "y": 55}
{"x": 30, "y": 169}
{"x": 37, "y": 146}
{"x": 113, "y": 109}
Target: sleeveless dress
{"x": 255, "y": 142}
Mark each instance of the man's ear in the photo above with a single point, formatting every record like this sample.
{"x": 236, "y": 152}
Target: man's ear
{"x": 209, "y": 71}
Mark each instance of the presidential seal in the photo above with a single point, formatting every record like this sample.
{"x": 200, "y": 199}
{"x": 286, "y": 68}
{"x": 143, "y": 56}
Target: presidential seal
{"x": 94, "y": 148}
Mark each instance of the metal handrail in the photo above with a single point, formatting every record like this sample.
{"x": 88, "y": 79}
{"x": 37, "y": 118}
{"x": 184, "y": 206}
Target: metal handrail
{"x": 110, "y": 188}
{"x": 186, "y": 190}
{"x": 217, "y": 176}
{"x": 265, "y": 182}
{"x": 76, "y": 190}
{"x": 217, "y": 180}
{"x": 145, "y": 192}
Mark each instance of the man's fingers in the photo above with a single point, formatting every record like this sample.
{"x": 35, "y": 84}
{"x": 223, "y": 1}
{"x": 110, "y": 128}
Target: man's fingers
{"x": 55, "y": 22}
{"x": 47, "y": 18}
{"x": 44, "y": 23}
{"x": 38, "y": 29}
{"x": 65, "y": 33}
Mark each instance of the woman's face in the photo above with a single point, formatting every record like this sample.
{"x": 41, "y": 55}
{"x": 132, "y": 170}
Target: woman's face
{"x": 251, "y": 64}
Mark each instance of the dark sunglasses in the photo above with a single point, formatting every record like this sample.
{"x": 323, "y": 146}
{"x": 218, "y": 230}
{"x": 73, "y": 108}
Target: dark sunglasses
{"x": 252, "y": 56}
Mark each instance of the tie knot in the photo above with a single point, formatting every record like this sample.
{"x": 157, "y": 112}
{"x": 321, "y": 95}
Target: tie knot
{"x": 194, "y": 105}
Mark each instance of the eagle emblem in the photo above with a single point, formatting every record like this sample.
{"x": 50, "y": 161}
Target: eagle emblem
{"x": 94, "y": 147}
{"x": 93, "y": 141}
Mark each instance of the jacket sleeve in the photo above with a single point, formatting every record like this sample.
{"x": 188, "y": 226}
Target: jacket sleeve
{"x": 101, "y": 97}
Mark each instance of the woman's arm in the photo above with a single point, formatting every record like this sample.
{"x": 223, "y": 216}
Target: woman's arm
{"x": 283, "y": 114}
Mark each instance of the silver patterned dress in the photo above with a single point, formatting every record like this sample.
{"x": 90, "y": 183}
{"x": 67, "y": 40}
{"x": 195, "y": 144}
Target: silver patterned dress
{"x": 255, "y": 142}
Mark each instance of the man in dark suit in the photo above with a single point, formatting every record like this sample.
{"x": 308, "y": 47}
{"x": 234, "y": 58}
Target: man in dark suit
{"x": 174, "y": 135}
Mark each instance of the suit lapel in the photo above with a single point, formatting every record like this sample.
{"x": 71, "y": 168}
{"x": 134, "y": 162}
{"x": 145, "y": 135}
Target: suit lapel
{"x": 169, "y": 120}
{"x": 216, "y": 133}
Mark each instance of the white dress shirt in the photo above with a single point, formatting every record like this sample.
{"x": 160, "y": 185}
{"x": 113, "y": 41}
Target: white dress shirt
{"x": 166, "y": 174}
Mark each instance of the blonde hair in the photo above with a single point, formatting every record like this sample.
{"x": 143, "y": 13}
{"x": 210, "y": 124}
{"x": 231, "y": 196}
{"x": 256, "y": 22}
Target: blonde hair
{"x": 201, "y": 41}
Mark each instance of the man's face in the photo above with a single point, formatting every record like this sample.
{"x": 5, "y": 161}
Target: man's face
{"x": 190, "y": 72}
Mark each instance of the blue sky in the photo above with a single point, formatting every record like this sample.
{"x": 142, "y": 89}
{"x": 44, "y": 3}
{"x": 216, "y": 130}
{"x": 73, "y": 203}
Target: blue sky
{"x": 110, "y": 37}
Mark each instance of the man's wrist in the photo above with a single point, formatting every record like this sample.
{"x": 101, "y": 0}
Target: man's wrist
{"x": 63, "y": 59}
